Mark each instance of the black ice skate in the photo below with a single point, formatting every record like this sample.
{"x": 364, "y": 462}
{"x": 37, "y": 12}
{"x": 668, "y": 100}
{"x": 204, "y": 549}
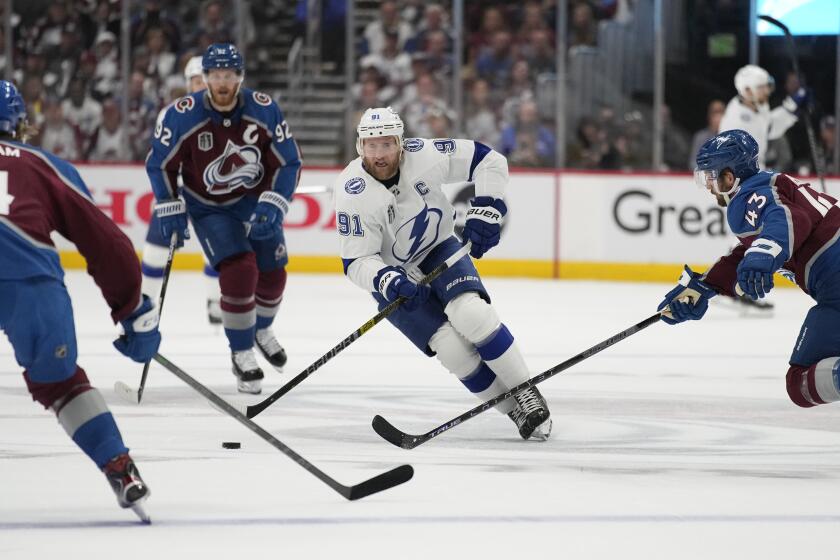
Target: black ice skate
{"x": 129, "y": 488}
{"x": 214, "y": 312}
{"x": 271, "y": 349}
{"x": 248, "y": 374}
{"x": 755, "y": 307}
{"x": 531, "y": 415}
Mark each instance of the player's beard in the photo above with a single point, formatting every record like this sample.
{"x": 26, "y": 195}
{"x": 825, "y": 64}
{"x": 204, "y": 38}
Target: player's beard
{"x": 382, "y": 172}
{"x": 224, "y": 97}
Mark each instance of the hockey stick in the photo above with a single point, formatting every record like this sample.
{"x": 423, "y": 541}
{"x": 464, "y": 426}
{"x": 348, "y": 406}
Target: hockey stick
{"x": 384, "y": 481}
{"x": 122, "y": 389}
{"x": 253, "y": 410}
{"x": 816, "y": 153}
{"x": 408, "y": 441}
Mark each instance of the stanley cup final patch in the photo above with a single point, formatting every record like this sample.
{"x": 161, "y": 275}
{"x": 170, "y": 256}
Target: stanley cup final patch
{"x": 205, "y": 141}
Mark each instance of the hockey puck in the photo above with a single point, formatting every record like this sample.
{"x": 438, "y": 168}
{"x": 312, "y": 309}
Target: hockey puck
{"x": 231, "y": 444}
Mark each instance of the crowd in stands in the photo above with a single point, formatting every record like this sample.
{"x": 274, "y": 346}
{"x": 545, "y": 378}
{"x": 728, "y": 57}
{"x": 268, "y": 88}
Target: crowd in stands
{"x": 67, "y": 64}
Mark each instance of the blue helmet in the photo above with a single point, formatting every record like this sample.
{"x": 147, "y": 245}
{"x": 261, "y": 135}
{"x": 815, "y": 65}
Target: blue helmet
{"x": 222, "y": 55}
{"x": 735, "y": 149}
{"x": 12, "y": 107}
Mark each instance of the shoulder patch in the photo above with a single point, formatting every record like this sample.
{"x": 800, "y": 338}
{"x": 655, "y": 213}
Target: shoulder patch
{"x": 354, "y": 185}
{"x": 184, "y": 104}
{"x": 445, "y": 146}
{"x": 262, "y": 99}
{"x": 413, "y": 144}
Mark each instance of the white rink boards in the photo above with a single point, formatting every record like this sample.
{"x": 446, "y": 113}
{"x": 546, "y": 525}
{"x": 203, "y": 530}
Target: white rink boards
{"x": 678, "y": 442}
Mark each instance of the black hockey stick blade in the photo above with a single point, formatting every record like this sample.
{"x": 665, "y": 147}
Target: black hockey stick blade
{"x": 381, "y": 482}
{"x": 390, "y": 433}
{"x": 384, "y": 481}
{"x": 255, "y": 409}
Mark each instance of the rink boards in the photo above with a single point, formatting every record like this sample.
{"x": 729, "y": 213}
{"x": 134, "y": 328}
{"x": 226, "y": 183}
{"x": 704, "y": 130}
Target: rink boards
{"x": 618, "y": 226}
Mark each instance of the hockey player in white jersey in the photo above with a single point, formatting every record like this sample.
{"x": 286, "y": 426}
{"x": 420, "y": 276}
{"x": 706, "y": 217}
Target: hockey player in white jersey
{"x": 396, "y": 225}
{"x": 156, "y": 248}
{"x": 750, "y": 109}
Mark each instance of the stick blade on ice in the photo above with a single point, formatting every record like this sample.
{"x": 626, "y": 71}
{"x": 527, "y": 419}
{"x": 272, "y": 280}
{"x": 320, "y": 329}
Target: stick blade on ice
{"x": 384, "y": 481}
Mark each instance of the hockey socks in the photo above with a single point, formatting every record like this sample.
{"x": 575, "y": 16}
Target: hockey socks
{"x": 817, "y": 384}
{"x": 238, "y": 281}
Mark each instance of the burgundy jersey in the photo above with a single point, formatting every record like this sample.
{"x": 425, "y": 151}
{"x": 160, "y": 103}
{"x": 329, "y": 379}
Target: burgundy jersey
{"x": 41, "y": 193}
{"x": 799, "y": 226}
{"x": 223, "y": 156}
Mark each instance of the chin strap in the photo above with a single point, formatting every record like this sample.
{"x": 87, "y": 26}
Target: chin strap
{"x": 727, "y": 196}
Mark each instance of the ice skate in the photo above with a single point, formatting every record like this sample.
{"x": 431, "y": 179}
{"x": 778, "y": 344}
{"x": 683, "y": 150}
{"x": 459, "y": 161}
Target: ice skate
{"x": 749, "y": 307}
{"x": 214, "y": 312}
{"x": 531, "y": 415}
{"x": 271, "y": 349}
{"x": 129, "y": 488}
{"x": 248, "y": 374}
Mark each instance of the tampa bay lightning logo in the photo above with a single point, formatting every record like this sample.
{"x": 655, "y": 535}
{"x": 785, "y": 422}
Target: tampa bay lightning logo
{"x": 355, "y": 185}
{"x": 238, "y": 166}
{"x": 417, "y": 235}
{"x": 413, "y": 144}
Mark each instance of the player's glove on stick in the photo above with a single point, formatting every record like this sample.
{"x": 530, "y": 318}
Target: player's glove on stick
{"x": 392, "y": 283}
{"x": 688, "y": 301}
{"x": 755, "y": 271}
{"x": 142, "y": 338}
{"x": 796, "y": 100}
{"x": 173, "y": 219}
{"x": 484, "y": 224}
{"x": 268, "y": 216}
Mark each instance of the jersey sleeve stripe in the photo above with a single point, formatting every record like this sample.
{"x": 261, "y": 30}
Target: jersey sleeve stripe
{"x": 481, "y": 151}
{"x": 25, "y": 236}
{"x": 347, "y": 263}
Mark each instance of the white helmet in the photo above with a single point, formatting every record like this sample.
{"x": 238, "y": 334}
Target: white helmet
{"x": 381, "y": 121}
{"x": 752, "y": 76}
{"x": 193, "y": 68}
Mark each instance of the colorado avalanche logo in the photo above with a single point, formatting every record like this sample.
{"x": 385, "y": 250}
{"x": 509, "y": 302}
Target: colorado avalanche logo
{"x": 413, "y": 144}
{"x": 355, "y": 185}
{"x": 184, "y": 104}
{"x": 238, "y": 166}
{"x": 417, "y": 235}
{"x": 262, "y": 99}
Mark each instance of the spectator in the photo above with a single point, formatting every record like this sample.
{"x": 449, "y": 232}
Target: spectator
{"x": 434, "y": 21}
{"x": 438, "y": 60}
{"x": 33, "y": 96}
{"x": 539, "y": 52}
{"x": 109, "y": 142}
{"x": 152, "y": 17}
{"x": 533, "y": 19}
{"x": 142, "y": 112}
{"x": 439, "y": 123}
{"x": 527, "y": 142}
{"x": 393, "y": 63}
{"x": 590, "y": 147}
{"x": 520, "y": 89}
{"x": 161, "y": 60}
{"x": 415, "y": 111}
{"x": 495, "y": 62}
{"x": 675, "y": 144}
{"x": 83, "y": 112}
{"x": 583, "y": 29}
{"x": 57, "y": 136}
{"x": 714, "y": 112}
{"x": 492, "y": 21}
{"x": 105, "y": 18}
{"x": 45, "y": 35}
{"x": 389, "y": 20}
{"x": 106, "y": 78}
{"x": 481, "y": 122}
{"x": 212, "y": 28}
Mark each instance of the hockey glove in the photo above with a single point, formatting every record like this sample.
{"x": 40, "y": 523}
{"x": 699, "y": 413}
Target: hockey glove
{"x": 755, "y": 271}
{"x": 483, "y": 227}
{"x": 173, "y": 219}
{"x": 142, "y": 338}
{"x": 268, "y": 216}
{"x": 392, "y": 283}
{"x": 796, "y": 100}
{"x": 688, "y": 301}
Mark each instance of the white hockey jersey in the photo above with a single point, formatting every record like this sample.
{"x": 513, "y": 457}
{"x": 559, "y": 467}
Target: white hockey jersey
{"x": 398, "y": 226}
{"x": 764, "y": 124}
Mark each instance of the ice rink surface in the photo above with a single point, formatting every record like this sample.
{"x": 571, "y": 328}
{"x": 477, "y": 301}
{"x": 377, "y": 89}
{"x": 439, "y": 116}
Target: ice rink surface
{"x": 678, "y": 442}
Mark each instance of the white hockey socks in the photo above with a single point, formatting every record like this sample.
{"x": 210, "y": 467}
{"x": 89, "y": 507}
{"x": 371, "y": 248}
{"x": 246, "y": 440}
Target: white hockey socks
{"x": 477, "y": 321}
{"x": 460, "y": 357}
{"x": 152, "y": 266}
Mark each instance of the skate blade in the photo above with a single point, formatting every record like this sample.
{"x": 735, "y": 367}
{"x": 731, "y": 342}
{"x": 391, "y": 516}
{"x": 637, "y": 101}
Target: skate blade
{"x": 139, "y": 509}
{"x": 250, "y": 387}
{"x": 543, "y": 431}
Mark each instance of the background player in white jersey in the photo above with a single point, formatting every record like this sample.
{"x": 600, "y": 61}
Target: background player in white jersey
{"x": 396, "y": 225}
{"x": 156, "y": 248}
{"x": 750, "y": 109}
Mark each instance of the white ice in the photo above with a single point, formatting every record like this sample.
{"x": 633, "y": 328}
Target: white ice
{"x": 678, "y": 442}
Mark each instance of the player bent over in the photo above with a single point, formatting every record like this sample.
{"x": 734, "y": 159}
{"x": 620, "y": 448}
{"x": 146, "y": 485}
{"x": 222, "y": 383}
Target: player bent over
{"x": 240, "y": 167}
{"x": 783, "y": 225}
{"x": 156, "y": 248}
{"x": 39, "y": 194}
{"x": 396, "y": 225}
